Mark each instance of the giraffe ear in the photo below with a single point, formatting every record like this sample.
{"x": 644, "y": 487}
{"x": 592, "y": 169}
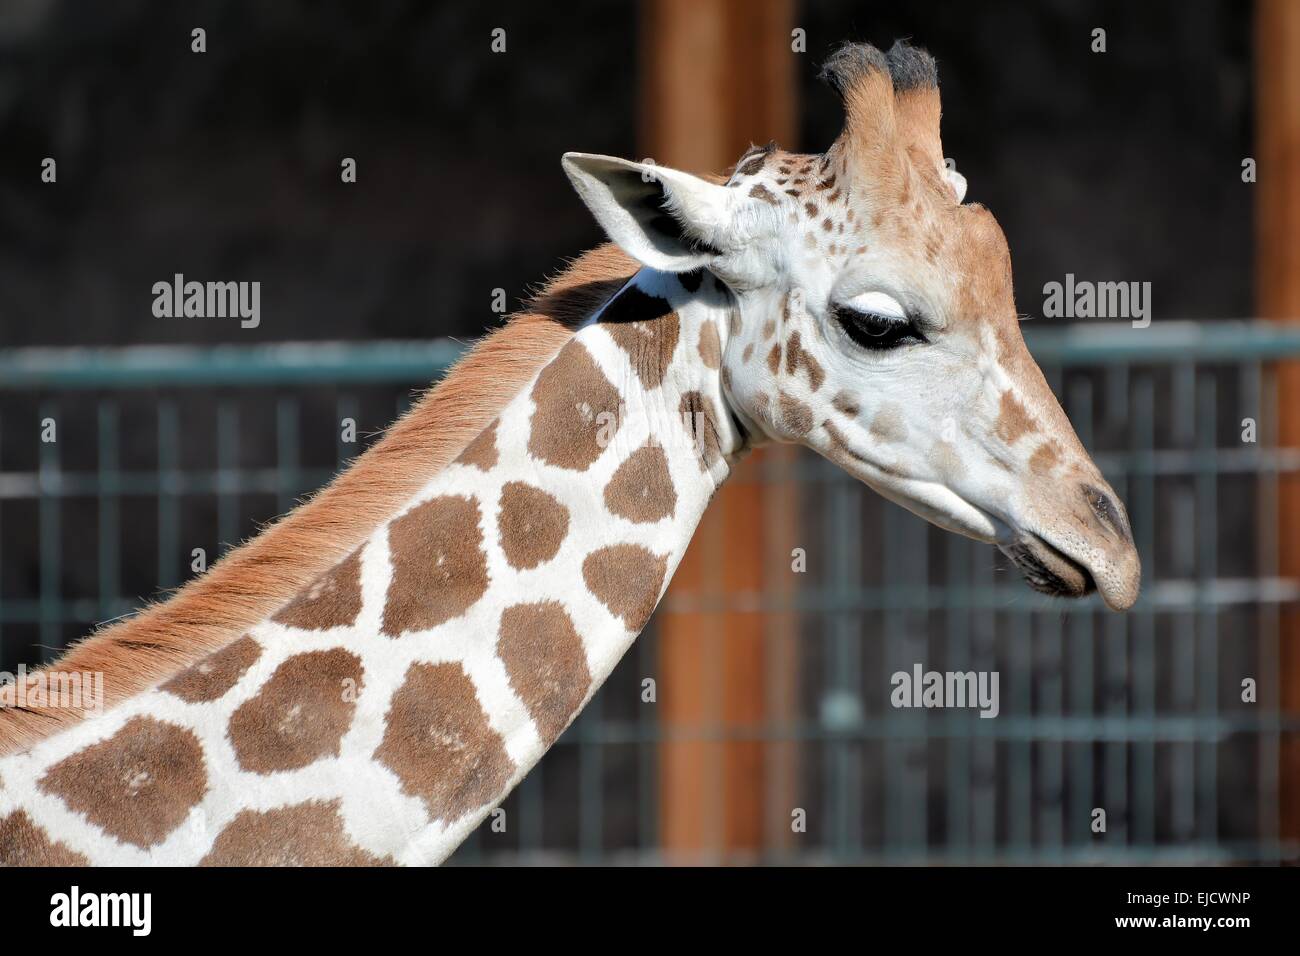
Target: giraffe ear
{"x": 664, "y": 218}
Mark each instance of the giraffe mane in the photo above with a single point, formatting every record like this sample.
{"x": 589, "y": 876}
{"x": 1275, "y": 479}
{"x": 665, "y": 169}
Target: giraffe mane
{"x": 253, "y": 581}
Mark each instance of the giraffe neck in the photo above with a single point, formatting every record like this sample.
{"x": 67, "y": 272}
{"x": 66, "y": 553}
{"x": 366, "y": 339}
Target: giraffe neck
{"x": 381, "y": 714}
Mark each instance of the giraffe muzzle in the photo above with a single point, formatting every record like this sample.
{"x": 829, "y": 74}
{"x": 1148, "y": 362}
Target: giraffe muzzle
{"x": 1087, "y": 547}
{"x": 1049, "y": 570}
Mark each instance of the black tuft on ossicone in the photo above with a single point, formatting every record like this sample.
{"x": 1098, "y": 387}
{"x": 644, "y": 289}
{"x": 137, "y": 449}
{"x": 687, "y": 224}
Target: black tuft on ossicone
{"x": 911, "y": 68}
{"x": 908, "y": 67}
{"x": 850, "y": 62}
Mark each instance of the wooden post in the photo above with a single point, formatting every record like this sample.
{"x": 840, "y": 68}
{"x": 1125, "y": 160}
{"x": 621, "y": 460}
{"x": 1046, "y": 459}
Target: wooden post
{"x": 716, "y": 76}
{"x": 1277, "y": 97}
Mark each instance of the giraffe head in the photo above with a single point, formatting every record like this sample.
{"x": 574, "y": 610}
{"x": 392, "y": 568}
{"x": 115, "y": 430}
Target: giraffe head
{"x": 875, "y": 323}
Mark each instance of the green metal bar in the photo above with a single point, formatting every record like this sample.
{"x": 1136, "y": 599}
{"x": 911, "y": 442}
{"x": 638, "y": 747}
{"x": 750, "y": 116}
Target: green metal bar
{"x": 1184, "y": 529}
{"x": 1207, "y": 620}
{"x": 339, "y": 363}
{"x": 184, "y": 366}
{"x": 1142, "y": 441}
{"x": 287, "y": 440}
{"x": 959, "y": 757}
{"x": 1163, "y": 343}
{"x": 110, "y": 584}
{"x": 168, "y": 492}
{"x": 227, "y": 471}
{"x": 51, "y": 531}
{"x": 647, "y": 657}
{"x": 591, "y": 770}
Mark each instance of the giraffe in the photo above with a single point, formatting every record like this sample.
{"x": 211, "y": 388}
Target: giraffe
{"x": 848, "y": 301}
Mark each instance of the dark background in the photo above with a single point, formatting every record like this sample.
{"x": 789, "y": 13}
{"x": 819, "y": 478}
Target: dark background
{"x": 225, "y": 165}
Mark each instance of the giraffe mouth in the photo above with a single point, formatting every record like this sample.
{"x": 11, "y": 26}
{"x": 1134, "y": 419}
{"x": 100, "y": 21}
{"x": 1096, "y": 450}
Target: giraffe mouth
{"x": 1049, "y": 570}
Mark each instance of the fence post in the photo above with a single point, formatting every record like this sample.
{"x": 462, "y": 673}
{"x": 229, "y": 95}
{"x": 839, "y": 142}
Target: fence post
{"x": 1278, "y": 284}
{"x": 716, "y": 75}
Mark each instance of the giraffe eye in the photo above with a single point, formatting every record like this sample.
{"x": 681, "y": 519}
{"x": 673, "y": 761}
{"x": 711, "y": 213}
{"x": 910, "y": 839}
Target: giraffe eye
{"x": 876, "y": 331}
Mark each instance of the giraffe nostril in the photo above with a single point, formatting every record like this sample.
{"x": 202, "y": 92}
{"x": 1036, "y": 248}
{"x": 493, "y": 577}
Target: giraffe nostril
{"x": 1107, "y": 511}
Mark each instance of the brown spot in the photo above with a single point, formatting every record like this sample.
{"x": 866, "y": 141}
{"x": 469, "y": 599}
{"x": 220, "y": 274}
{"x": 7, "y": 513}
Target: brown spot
{"x": 1045, "y": 458}
{"x": 888, "y": 424}
{"x": 532, "y": 523}
{"x": 769, "y": 329}
{"x": 23, "y": 843}
{"x": 814, "y": 369}
{"x": 792, "y": 353}
{"x": 301, "y": 713}
{"x": 213, "y": 676}
{"x": 846, "y": 404}
{"x": 547, "y": 664}
{"x": 439, "y": 568}
{"x": 811, "y": 209}
{"x": 332, "y": 600}
{"x": 774, "y": 359}
{"x": 795, "y": 415}
{"x": 306, "y": 834}
{"x": 1013, "y": 421}
{"x": 626, "y": 578}
{"x": 137, "y": 785}
{"x": 754, "y": 166}
{"x": 576, "y": 408}
{"x": 641, "y": 489}
{"x": 748, "y": 353}
{"x": 833, "y": 196}
{"x": 759, "y": 191}
{"x": 797, "y": 357}
{"x": 710, "y": 345}
{"x": 827, "y": 225}
{"x": 827, "y": 183}
{"x": 701, "y": 423}
{"x": 648, "y": 344}
{"x": 861, "y": 250}
{"x": 792, "y": 192}
{"x": 438, "y": 742}
{"x": 482, "y": 451}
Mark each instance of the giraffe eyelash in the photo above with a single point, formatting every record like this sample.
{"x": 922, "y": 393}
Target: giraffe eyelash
{"x": 876, "y": 332}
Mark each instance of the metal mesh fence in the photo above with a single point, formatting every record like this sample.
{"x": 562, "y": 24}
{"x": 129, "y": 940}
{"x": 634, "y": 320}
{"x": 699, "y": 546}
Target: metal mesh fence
{"x": 162, "y": 451}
